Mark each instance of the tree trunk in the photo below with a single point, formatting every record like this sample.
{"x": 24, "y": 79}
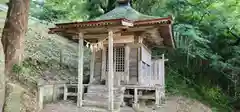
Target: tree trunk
{"x": 12, "y": 41}
{"x": 14, "y": 31}
{"x": 2, "y": 78}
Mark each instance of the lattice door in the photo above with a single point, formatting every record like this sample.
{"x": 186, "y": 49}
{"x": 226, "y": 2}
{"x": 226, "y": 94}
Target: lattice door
{"x": 118, "y": 59}
{"x": 119, "y": 64}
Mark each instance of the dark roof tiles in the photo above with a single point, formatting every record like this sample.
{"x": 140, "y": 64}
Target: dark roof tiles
{"x": 126, "y": 12}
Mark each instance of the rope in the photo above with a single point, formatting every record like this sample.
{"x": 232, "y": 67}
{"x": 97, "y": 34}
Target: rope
{"x": 95, "y": 46}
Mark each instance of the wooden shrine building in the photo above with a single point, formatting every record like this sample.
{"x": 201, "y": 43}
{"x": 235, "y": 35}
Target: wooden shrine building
{"x": 121, "y": 42}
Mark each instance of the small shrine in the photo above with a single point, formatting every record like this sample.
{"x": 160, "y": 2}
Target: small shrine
{"x": 121, "y": 65}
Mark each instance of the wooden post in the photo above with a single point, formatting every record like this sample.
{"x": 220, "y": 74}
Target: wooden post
{"x": 103, "y": 74}
{"x": 139, "y": 67}
{"x": 163, "y": 75}
{"x": 55, "y": 91}
{"x": 40, "y": 97}
{"x": 92, "y": 64}
{"x": 157, "y": 98}
{"x": 65, "y": 92}
{"x": 110, "y": 71}
{"x": 80, "y": 70}
{"x": 136, "y": 97}
{"x": 127, "y": 52}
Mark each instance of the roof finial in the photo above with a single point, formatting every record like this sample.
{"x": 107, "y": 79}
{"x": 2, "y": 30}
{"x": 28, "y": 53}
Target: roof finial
{"x": 123, "y": 2}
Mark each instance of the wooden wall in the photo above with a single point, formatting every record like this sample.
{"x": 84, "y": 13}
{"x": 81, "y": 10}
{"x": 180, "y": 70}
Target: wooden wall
{"x": 146, "y": 56}
{"x": 145, "y": 66}
{"x": 133, "y": 66}
{"x": 98, "y": 66}
{"x": 135, "y": 57}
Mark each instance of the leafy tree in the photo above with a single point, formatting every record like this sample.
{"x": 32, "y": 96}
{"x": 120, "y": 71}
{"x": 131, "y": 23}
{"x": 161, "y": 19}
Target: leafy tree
{"x": 11, "y": 47}
{"x": 206, "y": 32}
{"x": 60, "y": 10}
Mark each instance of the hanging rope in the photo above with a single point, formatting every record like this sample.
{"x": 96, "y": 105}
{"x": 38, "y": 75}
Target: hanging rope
{"x": 95, "y": 46}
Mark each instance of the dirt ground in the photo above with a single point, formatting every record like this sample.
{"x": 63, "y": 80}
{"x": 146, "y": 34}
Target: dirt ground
{"x": 172, "y": 104}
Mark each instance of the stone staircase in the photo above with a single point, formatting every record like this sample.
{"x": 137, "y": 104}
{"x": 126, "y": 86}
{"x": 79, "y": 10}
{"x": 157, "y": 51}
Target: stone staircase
{"x": 97, "y": 97}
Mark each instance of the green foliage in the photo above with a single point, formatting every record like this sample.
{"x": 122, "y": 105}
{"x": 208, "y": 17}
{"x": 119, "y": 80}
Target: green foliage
{"x": 17, "y": 69}
{"x": 50, "y": 14}
{"x": 60, "y": 10}
{"x": 177, "y": 84}
{"x": 205, "y": 31}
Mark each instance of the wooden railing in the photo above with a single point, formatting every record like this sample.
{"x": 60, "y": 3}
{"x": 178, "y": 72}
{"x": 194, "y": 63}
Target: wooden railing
{"x": 52, "y": 91}
{"x": 159, "y": 93}
{"x": 153, "y": 74}
{"x": 158, "y": 72}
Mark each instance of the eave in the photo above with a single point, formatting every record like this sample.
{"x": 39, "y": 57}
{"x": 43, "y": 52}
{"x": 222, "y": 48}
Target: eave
{"x": 68, "y": 29}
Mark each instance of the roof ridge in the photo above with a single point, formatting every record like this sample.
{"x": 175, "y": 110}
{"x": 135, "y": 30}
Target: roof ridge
{"x": 127, "y": 12}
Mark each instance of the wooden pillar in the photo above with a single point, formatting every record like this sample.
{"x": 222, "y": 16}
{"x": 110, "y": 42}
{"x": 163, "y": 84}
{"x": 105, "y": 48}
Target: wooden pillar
{"x": 157, "y": 97}
{"x": 55, "y": 92}
{"x": 65, "y": 89}
{"x": 40, "y": 97}
{"x": 110, "y": 71}
{"x": 92, "y": 64}
{"x": 126, "y": 67}
{"x": 163, "y": 77}
{"x": 103, "y": 74}
{"x": 80, "y": 70}
{"x": 135, "y": 96}
{"x": 140, "y": 71}
{"x": 139, "y": 67}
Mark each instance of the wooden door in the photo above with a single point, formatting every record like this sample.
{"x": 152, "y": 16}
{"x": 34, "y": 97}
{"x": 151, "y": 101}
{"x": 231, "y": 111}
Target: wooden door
{"x": 119, "y": 64}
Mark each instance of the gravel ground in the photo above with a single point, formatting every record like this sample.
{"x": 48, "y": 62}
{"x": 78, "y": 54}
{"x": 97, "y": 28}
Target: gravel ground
{"x": 172, "y": 104}
{"x": 71, "y": 107}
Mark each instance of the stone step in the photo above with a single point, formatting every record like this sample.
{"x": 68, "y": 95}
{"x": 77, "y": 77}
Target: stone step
{"x": 96, "y": 109}
{"x": 102, "y": 97}
{"x": 103, "y": 87}
{"x": 104, "y": 90}
{"x": 104, "y": 94}
{"x": 93, "y": 109}
{"x": 100, "y": 104}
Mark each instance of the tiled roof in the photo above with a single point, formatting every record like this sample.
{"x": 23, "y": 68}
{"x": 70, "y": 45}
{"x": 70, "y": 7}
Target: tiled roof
{"x": 126, "y": 12}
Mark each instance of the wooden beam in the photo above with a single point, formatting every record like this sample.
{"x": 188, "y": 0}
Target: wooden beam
{"x": 80, "y": 70}
{"x": 92, "y": 64}
{"x": 122, "y": 39}
{"x": 110, "y": 71}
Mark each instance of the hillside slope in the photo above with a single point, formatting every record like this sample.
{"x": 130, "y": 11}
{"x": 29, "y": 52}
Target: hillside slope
{"x": 54, "y": 58}
{"x": 47, "y": 58}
